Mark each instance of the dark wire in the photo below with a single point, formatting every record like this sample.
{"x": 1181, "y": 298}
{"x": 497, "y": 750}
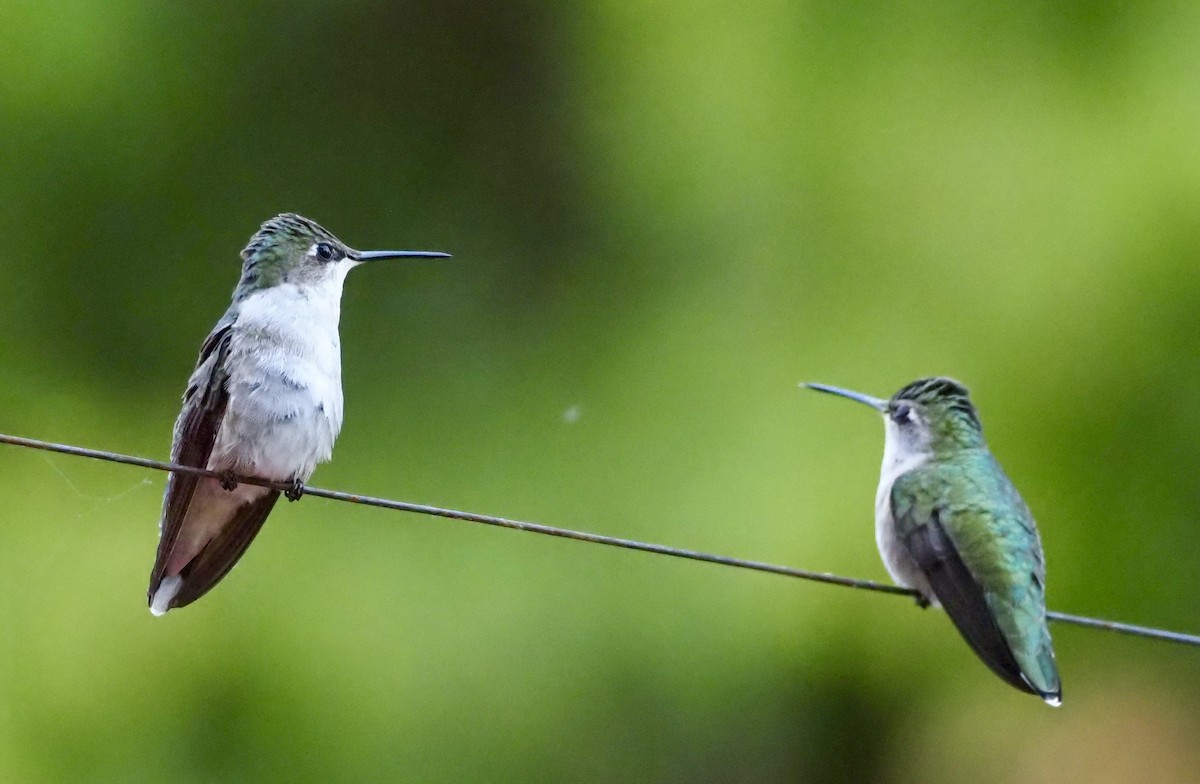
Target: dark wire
{"x": 567, "y": 533}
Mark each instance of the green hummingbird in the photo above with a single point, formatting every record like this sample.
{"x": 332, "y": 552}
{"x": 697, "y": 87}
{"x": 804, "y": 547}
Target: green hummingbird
{"x": 950, "y": 525}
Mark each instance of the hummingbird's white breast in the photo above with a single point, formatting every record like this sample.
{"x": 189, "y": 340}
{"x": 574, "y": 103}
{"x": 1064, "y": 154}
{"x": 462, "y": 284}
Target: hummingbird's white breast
{"x": 285, "y": 380}
{"x": 899, "y": 457}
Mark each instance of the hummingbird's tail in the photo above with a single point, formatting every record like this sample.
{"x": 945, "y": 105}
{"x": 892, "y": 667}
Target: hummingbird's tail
{"x": 190, "y": 567}
{"x": 160, "y": 600}
{"x": 1041, "y": 672}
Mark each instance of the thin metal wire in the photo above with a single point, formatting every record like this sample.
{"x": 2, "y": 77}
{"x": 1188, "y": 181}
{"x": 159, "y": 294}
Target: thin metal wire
{"x": 568, "y": 533}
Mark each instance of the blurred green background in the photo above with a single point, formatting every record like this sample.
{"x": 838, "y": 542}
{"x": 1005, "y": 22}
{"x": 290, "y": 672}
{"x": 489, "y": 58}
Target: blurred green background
{"x": 664, "y": 215}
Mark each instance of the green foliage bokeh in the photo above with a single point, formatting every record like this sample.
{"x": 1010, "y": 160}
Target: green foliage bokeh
{"x": 663, "y": 216}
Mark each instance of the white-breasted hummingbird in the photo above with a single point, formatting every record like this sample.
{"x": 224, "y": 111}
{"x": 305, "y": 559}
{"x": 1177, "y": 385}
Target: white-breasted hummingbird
{"x": 950, "y": 525}
{"x": 265, "y": 400}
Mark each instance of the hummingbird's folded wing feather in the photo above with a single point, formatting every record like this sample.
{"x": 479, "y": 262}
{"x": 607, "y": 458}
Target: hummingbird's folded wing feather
{"x": 196, "y": 429}
{"x": 224, "y": 550}
{"x": 920, "y": 526}
{"x": 964, "y": 600}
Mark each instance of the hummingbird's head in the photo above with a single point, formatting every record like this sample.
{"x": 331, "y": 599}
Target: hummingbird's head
{"x": 935, "y": 412}
{"x": 290, "y": 248}
{"x": 928, "y": 416}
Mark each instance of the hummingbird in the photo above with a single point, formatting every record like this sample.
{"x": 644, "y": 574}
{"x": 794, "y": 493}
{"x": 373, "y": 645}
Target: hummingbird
{"x": 950, "y": 525}
{"x": 265, "y": 400}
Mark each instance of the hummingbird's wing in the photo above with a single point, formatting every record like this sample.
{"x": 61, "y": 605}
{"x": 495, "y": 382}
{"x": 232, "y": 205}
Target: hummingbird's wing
{"x": 196, "y": 429}
{"x": 979, "y": 551}
{"x": 204, "y": 403}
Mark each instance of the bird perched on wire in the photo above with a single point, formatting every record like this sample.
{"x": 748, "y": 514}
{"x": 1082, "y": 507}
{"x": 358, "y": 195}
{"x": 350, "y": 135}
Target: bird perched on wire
{"x": 950, "y": 525}
{"x": 265, "y": 400}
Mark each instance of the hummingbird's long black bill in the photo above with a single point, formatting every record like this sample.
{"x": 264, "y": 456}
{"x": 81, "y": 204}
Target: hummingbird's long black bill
{"x": 873, "y": 402}
{"x": 381, "y": 255}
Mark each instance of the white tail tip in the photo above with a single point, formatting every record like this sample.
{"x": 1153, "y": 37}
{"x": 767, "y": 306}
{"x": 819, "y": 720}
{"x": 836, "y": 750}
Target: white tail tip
{"x": 165, "y": 593}
{"x": 1053, "y": 701}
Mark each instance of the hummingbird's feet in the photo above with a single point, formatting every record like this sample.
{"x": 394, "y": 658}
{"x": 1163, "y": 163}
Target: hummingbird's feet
{"x": 922, "y": 601}
{"x": 294, "y": 492}
{"x": 228, "y": 480}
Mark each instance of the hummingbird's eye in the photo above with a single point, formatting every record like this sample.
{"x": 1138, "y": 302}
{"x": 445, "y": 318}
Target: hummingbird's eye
{"x": 902, "y": 413}
{"x": 325, "y": 251}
